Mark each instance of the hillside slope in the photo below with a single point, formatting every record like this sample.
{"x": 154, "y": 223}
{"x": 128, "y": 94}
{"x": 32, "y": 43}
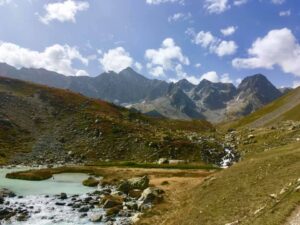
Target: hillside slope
{"x": 262, "y": 189}
{"x": 285, "y": 108}
{"x": 39, "y": 124}
{"x": 266, "y": 195}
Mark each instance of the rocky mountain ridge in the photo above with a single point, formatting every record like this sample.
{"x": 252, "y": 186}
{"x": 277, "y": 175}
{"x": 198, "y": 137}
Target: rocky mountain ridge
{"x": 181, "y": 100}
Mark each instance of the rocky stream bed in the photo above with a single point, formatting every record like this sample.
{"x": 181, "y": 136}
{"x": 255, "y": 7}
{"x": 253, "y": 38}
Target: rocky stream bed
{"x": 104, "y": 204}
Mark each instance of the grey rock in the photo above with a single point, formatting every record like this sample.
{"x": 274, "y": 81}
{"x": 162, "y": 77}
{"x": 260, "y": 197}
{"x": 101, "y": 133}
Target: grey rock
{"x": 151, "y": 195}
{"x": 133, "y": 183}
{"x": 63, "y": 196}
{"x": 84, "y": 209}
{"x": 96, "y": 217}
{"x": 4, "y": 192}
{"x": 109, "y": 203}
{"x": 1, "y": 200}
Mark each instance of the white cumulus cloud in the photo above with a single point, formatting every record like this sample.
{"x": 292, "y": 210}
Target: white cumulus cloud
{"x": 157, "y": 2}
{"x": 228, "y": 31}
{"x": 278, "y": 2}
{"x": 215, "y": 78}
{"x": 198, "y": 65}
{"x": 58, "y": 58}
{"x": 213, "y": 44}
{"x": 181, "y": 74}
{"x": 278, "y": 47}
{"x": 224, "y": 48}
{"x": 116, "y": 60}
{"x": 216, "y": 6}
{"x": 238, "y": 81}
{"x": 156, "y": 71}
{"x": 204, "y": 39}
{"x": 63, "y": 11}
{"x": 296, "y": 84}
{"x": 211, "y": 76}
{"x": 179, "y": 17}
{"x": 240, "y": 2}
{"x": 138, "y": 66}
{"x": 225, "y": 78}
{"x": 220, "y": 6}
{"x": 3, "y": 2}
{"x": 285, "y": 13}
{"x": 165, "y": 58}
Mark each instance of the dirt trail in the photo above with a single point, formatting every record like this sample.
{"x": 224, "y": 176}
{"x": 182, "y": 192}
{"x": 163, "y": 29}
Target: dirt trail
{"x": 176, "y": 188}
{"x": 292, "y": 102}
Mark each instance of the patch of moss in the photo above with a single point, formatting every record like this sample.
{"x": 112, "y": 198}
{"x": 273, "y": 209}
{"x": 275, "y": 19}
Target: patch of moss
{"x": 90, "y": 182}
{"x": 131, "y": 164}
{"x": 30, "y": 175}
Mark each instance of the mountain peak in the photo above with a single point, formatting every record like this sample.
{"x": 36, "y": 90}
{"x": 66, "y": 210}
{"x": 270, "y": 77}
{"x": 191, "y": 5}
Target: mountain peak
{"x": 205, "y": 81}
{"x": 259, "y": 86}
{"x": 185, "y": 85}
{"x": 184, "y": 81}
{"x": 253, "y": 80}
{"x": 127, "y": 70}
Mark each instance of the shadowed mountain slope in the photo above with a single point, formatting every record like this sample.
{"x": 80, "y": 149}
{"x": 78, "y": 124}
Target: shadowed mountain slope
{"x": 39, "y": 124}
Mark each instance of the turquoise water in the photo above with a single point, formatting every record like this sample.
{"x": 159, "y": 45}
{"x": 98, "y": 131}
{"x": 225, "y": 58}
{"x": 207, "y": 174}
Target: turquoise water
{"x": 69, "y": 183}
{"x": 34, "y": 192}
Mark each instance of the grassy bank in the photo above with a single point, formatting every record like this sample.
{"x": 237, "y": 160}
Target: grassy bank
{"x": 128, "y": 164}
{"x": 112, "y": 171}
{"x": 258, "y": 190}
{"x": 34, "y": 175}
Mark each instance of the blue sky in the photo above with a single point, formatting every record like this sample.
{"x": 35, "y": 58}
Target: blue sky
{"x": 220, "y": 40}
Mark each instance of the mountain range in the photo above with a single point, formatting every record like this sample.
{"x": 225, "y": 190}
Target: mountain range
{"x": 214, "y": 102}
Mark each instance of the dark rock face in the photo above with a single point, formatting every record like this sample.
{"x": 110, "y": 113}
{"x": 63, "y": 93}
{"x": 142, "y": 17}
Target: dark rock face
{"x": 259, "y": 86}
{"x": 183, "y": 103}
{"x": 214, "y": 95}
{"x": 185, "y": 85}
{"x": 253, "y": 93}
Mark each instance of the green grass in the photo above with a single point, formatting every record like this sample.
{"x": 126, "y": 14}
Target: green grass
{"x": 156, "y": 166}
{"x": 44, "y": 174}
{"x": 107, "y": 171}
{"x": 30, "y": 175}
{"x": 292, "y": 114}
{"x": 90, "y": 182}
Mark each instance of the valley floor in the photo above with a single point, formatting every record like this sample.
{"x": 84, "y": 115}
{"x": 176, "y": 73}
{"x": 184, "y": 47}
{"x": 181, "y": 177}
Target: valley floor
{"x": 262, "y": 189}
{"x": 172, "y": 181}
{"x": 176, "y": 189}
